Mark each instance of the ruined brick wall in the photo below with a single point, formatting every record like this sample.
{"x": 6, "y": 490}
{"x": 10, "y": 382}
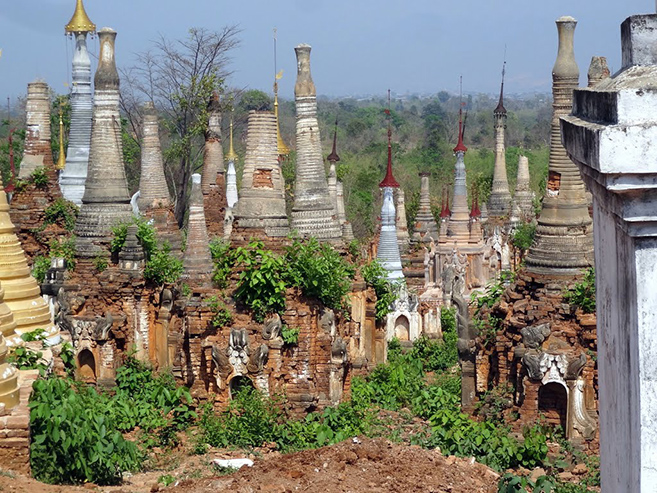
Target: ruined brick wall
{"x": 15, "y": 428}
{"x": 27, "y": 212}
{"x": 215, "y": 204}
{"x": 529, "y": 302}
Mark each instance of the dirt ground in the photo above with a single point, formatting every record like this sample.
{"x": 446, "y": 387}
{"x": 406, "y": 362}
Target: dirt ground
{"x": 356, "y": 465}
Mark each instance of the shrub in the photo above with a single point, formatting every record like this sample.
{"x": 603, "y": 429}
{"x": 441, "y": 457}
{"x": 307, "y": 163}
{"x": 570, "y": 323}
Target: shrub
{"x": 290, "y": 335}
{"x": 62, "y": 212}
{"x": 582, "y": 294}
{"x": 25, "y": 358}
{"x": 65, "y": 249}
{"x": 377, "y": 277}
{"x": 222, "y": 316}
{"x": 224, "y": 259}
{"x": 319, "y": 271}
{"x": 100, "y": 263}
{"x": 523, "y": 236}
{"x": 39, "y": 177}
{"x": 262, "y": 285}
{"x": 162, "y": 267}
{"x": 145, "y": 235}
{"x": 74, "y": 439}
{"x": 40, "y": 266}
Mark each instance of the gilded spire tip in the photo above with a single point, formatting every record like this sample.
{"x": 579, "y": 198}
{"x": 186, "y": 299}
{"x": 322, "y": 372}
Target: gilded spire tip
{"x": 80, "y": 22}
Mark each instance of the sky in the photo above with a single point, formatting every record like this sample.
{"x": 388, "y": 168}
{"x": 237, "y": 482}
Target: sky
{"x": 359, "y": 46}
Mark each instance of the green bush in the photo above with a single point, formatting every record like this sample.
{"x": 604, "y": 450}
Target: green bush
{"x": 222, "y": 316}
{"x": 25, "y": 358}
{"x": 262, "y": 285}
{"x": 319, "y": 271}
{"x": 62, "y": 212}
{"x": 290, "y": 335}
{"x": 377, "y": 277}
{"x": 523, "y": 236}
{"x": 162, "y": 267}
{"x": 582, "y": 294}
{"x": 224, "y": 259}
{"x": 39, "y": 177}
{"x": 100, "y": 263}
{"x": 40, "y": 266}
{"x": 74, "y": 439}
{"x": 145, "y": 234}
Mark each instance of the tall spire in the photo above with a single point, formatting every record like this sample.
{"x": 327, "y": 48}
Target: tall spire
{"x": 313, "y": 213}
{"x": 154, "y": 191}
{"x": 499, "y": 202}
{"x": 231, "y": 175}
{"x": 106, "y": 201}
{"x": 283, "y": 150}
{"x": 197, "y": 262}
{"x": 460, "y": 146}
{"x": 61, "y": 160}
{"x": 458, "y": 222}
{"x": 564, "y": 234}
{"x": 80, "y": 22}
{"x": 388, "y": 251}
{"x": 261, "y": 203}
{"x": 389, "y": 180}
{"x": 213, "y": 153}
{"x": 74, "y": 175}
{"x": 333, "y": 157}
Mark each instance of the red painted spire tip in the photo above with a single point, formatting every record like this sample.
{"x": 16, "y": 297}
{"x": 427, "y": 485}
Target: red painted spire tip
{"x": 460, "y": 146}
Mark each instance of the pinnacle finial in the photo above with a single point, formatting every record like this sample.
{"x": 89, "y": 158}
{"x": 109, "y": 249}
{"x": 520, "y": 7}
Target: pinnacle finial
{"x": 500, "y": 105}
{"x": 232, "y": 155}
{"x": 389, "y": 180}
{"x": 333, "y": 157}
{"x": 80, "y": 22}
{"x": 61, "y": 160}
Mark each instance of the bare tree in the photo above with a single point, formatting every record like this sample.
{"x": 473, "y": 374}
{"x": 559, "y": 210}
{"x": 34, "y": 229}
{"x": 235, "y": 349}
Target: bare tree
{"x": 179, "y": 77}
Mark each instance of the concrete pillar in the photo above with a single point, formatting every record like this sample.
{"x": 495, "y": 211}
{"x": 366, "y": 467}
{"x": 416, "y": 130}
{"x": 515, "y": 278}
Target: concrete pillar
{"x": 611, "y": 135}
{"x": 564, "y": 240}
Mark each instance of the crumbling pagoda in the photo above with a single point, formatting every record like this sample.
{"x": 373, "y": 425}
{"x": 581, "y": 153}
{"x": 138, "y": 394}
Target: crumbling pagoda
{"x": 499, "y": 202}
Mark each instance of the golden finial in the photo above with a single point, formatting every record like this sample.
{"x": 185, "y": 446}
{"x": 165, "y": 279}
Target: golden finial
{"x": 80, "y": 22}
{"x": 61, "y": 161}
{"x": 231, "y": 156}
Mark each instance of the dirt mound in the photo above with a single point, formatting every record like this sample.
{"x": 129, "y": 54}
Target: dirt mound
{"x": 359, "y": 465}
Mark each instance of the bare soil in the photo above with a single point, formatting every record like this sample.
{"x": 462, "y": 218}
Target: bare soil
{"x": 356, "y": 465}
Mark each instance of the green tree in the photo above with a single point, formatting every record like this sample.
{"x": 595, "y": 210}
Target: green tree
{"x": 255, "y": 100}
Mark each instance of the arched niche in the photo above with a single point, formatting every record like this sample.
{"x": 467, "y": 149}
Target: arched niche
{"x": 239, "y": 383}
{"x": 553, "y": 404}
{"x": 402, "y": 328}
{"x": 86, "y": 366}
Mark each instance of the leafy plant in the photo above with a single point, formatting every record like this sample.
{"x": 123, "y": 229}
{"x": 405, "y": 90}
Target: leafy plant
{"x": 377, "y": 277}
{"x": 262, "y": 285}
{"x": 100, "y": 263}
{"x": 35, "y": 335}
{"x": 319, "y": 271}
{"x": 290, "y": 335}
{"x": 67, "y": 356}
{"x": 222, "y": 316}
{"x": 64, "y": 248}
{"x": 25, "y": 358}
{"x": 145, "y": 234}
{"x": 39, "y": 177}
{"x": 224, "y": 259}
{"x": 74, "y": 438}
{"x": 582, "y": 294}
{"x": 523, "y": 236}
{"x": 40, "y": 266}
{"x": 162, "y": 267}
{"x": 63, "y": 212}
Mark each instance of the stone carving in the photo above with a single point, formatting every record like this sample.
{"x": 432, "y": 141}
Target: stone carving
{"x": 238, "y": 359}
{"x": 258, "y": 359}
{"x": 532, "y": 361}
{"x": 581, "y": 420}
{"x": 339, "y": 351}
{"x": 465, "y": 344}
{"x": 229, "y": 218}
{"x": 327, "y": 321}
{"x": 533, "y": 337}
{"x": 272, "y": 328}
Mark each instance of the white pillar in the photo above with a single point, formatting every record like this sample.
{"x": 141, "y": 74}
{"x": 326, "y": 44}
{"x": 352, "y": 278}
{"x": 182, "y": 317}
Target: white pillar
{"x": 611, "y": 135}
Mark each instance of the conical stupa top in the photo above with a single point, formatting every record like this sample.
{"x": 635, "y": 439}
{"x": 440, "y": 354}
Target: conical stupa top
{"x": 333, "y": 157}
{"x": 154, "y": 191}
{"x": 444, "y": 210}
{"x": 197, "y": 263}
{"x": 475, "y": 212}
{"x": 231, "y": 155}
{"x": 21, "y": 291}
{"x": 389, "y": 180}
{"x": 500, "y": 109}
{"x": 61, "y": 160}
{"x": 460, "y": 146}
{"x": 80, "y": 22}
